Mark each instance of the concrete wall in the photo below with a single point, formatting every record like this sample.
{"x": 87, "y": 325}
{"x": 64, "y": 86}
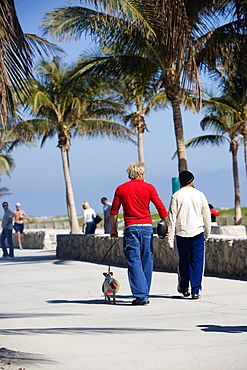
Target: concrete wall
{"x": 234, "y": 230}
{"x": 225, "y": 255}
{"x": 38, "y": 239}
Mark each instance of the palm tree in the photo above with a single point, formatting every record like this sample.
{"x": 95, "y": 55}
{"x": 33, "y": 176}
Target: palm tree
{"x": 139, "y": 89}
{"x": 141, "y": 92}
{"x": 170, "y": 35}
{"x": 235, "y": 90}
{"x": 230, "y": 73}
{"x": 67, "y": 109}
{"x": 225, "y": 122}
{"x": 18, "y": 51}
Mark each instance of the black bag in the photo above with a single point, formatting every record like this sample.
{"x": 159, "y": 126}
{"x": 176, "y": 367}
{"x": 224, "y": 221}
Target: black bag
{"x": 97, "y": 219}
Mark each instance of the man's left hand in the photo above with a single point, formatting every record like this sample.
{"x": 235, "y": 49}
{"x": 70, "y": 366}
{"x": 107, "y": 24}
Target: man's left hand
{"x": 114, "y": 234}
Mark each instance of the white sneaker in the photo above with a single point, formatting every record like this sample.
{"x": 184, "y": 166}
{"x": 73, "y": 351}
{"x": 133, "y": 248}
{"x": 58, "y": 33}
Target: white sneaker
{"x": 20, "y": 246}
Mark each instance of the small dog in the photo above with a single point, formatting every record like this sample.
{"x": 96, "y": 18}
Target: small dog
{"x": 109, "y": 286}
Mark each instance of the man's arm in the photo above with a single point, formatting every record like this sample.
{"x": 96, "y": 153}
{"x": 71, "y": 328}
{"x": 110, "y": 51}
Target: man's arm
{"x": 24, "y": 215}
{"x": 172, "y": 217}
{"x": 158, "y": 204}
{"x": 113, "y": 219}
{"x": 10, "y": 221}
{"x": 114, "y": 213}
{"x": 206, "y": 217}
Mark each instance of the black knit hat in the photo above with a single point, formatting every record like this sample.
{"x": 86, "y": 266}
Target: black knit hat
{"x": 185, "y": 178}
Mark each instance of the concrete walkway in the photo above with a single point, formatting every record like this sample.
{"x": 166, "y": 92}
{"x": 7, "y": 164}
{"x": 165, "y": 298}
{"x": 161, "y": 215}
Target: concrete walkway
{"x": 53, "y": 316}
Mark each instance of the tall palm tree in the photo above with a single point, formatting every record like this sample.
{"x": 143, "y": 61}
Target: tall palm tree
{"x": 18, "y": 51}
{"x": 67, "y": 109}
{"x": 235, "y": 88}
{"x": 225, "y": 122}
{"x": 141, "y": 92}
{"x": 170, "y": 35}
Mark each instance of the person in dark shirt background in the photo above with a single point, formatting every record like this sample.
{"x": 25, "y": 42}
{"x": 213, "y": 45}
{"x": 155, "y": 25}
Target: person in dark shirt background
{"x": 214, "y": 213}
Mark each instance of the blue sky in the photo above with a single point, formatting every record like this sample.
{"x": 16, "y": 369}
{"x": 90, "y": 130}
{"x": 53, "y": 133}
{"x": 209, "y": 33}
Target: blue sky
{"x": 98, "y": 166}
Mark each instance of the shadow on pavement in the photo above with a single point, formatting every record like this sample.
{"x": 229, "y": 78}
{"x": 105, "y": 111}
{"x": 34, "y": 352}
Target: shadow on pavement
{"x": 4, "y": 316}
{"x": 119, "y": 299}
{"x": 17, "y": 358}
{"x": 82, "y": 330}
{"x": 89, "y": 301}
{"x": 223, "y": 329}
{"x": 29, "y": 259}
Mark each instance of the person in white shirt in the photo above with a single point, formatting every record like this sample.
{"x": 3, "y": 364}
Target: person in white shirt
{"x": 190, "y": 225}
{"x": 89, "y": 214}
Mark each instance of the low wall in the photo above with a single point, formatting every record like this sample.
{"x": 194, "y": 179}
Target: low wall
{"x": 234, "y": 230}
{"x": 225, "y": 256}
{"x": 38, "y": 239}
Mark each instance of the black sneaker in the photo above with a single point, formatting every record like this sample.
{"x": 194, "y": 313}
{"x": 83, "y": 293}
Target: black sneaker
{"x": 139, "y": 303}
{"x": 186, "y": 294}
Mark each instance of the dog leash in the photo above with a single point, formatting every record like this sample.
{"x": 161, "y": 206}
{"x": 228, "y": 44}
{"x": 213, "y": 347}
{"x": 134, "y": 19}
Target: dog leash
{"x": 108, "y": 252}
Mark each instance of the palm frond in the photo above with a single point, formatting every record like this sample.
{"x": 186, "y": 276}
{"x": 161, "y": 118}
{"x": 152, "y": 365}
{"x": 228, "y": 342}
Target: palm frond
{"x": 93, "y": 128}
{"x": 42, "y": 46}
{"x": 6, "y": 164}
{"x": 205, "y": 140}
{"x": 69, "y": 23}
{"x": 214, "y": 140}
{"x": 215, "y": 123}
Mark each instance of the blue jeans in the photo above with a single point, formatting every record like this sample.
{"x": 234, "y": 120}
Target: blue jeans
{"x": 90, "y": 227}
{"x": 7, "y": 234}
{"x": 191, "y": 263}
{"x": 138, "y": 251}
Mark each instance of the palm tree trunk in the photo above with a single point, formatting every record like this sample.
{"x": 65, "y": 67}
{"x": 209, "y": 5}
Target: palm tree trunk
{"x": 179, "y": 134}
{"x": 75, "y": 229}
{"x": 238, "y": 213}
{"x": 68, "y": 209}
{"x": 140, "y": 146}
{"x": 244, "y": 133}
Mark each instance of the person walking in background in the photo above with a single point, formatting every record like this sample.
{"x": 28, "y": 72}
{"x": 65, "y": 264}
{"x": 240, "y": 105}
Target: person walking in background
{"x": 135, "y": 196}
{"x": 7, "y": 224}
{"x": 19, "y": 216}
{"x": 89, "y": 214}
{"x": 189, "y": 219}
{"x": 214, "y": 213}
{"x": 106, "y": 212}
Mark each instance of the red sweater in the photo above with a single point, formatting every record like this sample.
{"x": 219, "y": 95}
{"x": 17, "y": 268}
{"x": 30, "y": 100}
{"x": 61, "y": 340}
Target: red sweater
{"x": 214, "y": 212}
{"x": 135, "y": 196}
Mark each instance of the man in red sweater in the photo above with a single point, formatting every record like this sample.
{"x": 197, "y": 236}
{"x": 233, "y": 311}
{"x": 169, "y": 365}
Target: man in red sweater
{"x": 135, "y": 197}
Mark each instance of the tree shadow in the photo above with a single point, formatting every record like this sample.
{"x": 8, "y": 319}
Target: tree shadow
{"x": 83, "y": 330}
{"x": 29, "y": 259}
{"x": 28, "y": 315}
{"x": 223, "y": 329}
{"x": 17, "y": 358}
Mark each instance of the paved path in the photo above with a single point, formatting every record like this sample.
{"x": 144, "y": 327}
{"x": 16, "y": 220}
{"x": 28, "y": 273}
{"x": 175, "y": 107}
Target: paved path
{"x": 53, "y": 317}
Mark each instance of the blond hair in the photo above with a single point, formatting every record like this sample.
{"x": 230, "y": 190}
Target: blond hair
{"x": 85, "y": 205}
{"x": 135, "y": 169}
